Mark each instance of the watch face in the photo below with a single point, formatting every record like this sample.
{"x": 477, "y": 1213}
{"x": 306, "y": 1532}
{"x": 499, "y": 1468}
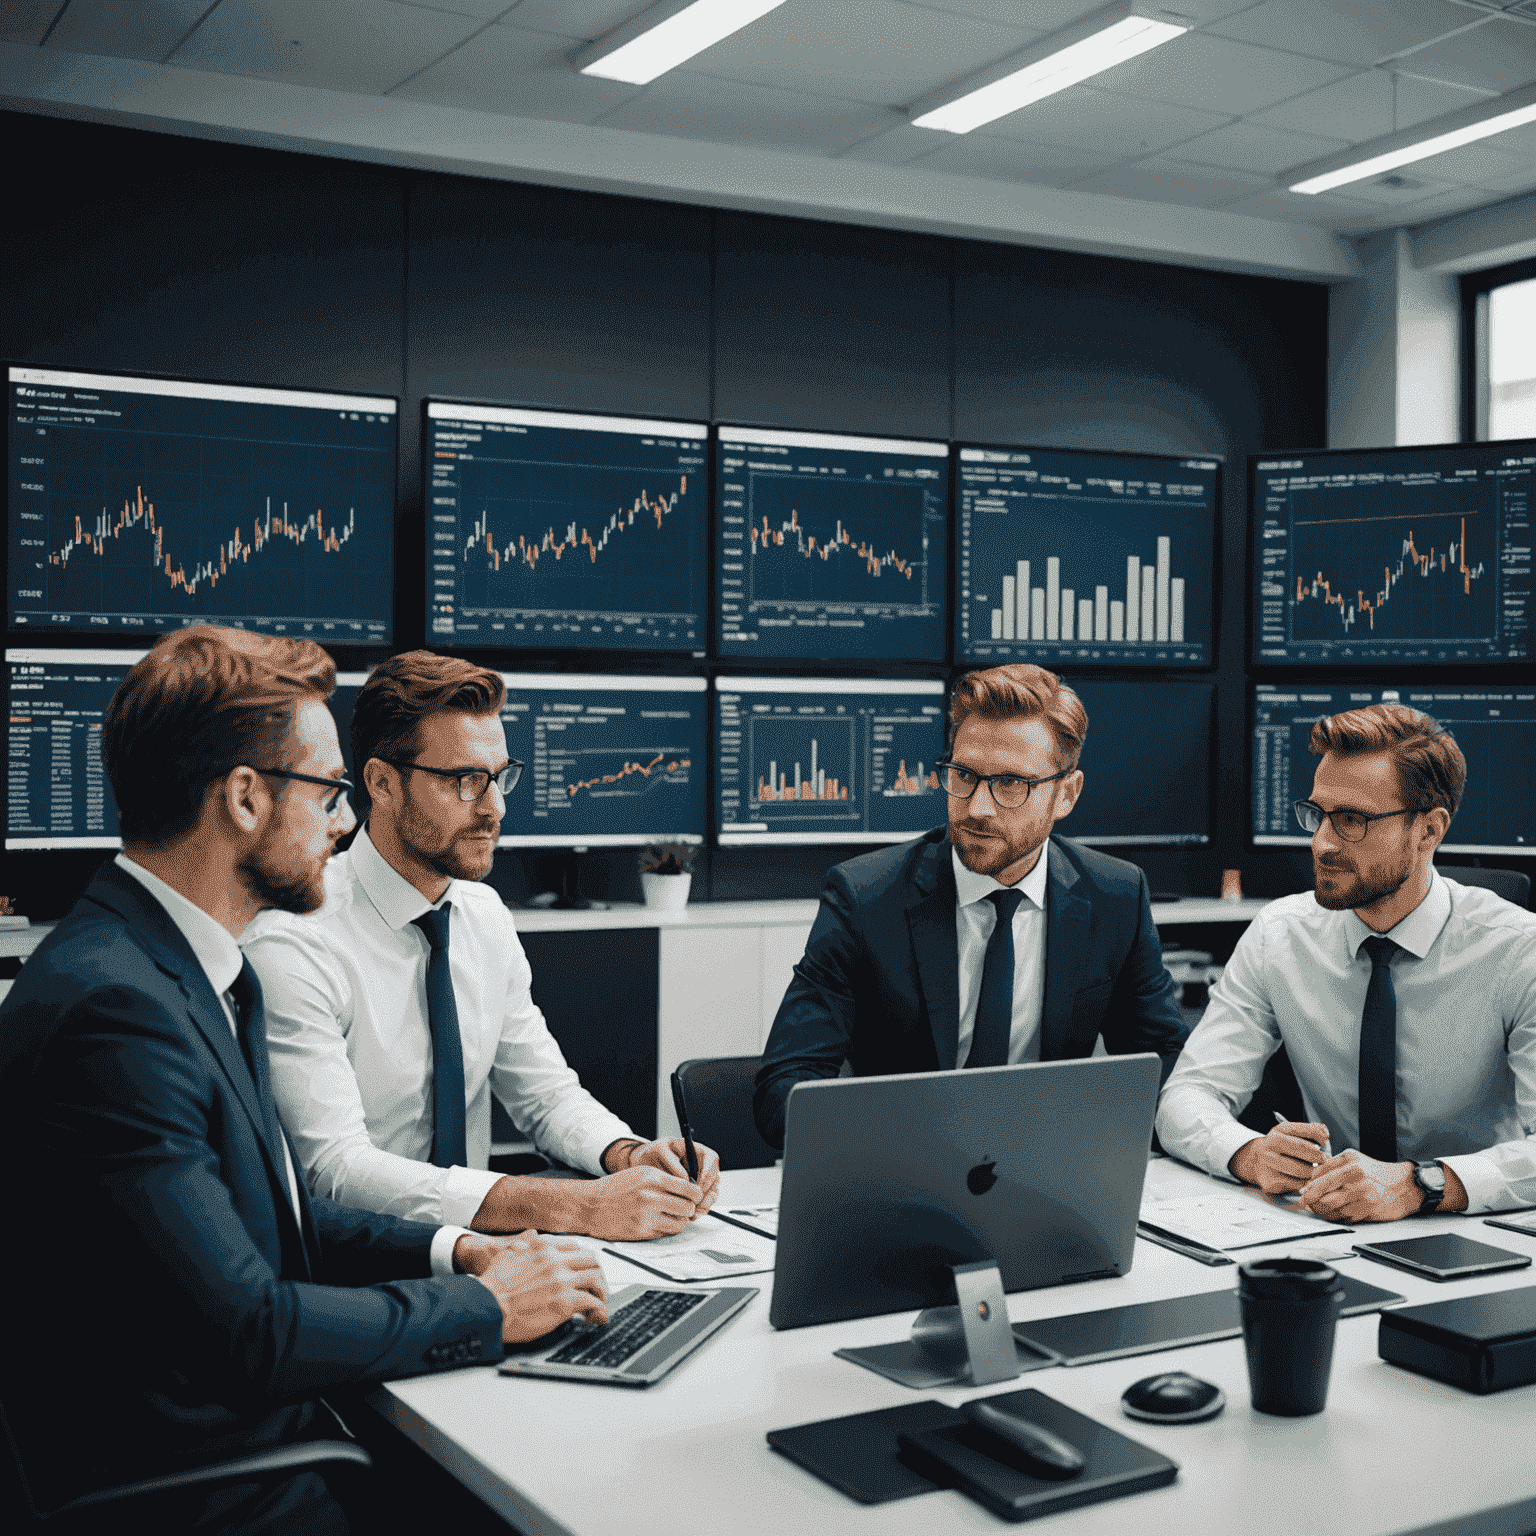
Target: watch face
{"x": 1430, "y": 1177}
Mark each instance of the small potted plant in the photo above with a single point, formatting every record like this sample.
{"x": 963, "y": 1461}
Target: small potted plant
{"x": 666, "y": 872}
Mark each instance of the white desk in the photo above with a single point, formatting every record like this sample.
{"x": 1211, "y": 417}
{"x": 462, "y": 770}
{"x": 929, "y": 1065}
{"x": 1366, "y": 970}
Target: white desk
{"x": 1393, "y": 1452}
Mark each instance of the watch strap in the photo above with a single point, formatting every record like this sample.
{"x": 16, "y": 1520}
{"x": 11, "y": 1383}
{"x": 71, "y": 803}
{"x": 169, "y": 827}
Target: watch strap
{"x": 1432, "y": 1195}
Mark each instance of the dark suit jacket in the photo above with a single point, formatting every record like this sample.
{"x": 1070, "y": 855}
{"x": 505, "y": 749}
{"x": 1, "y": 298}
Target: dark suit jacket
{"x": 879, "y": 985}
{"x": 164, "y": 1305}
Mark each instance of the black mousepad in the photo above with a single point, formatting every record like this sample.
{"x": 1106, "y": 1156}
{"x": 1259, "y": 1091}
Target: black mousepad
{"x": 858, "y": 1454}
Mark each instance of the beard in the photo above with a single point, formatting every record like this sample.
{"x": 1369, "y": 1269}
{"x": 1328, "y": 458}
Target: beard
{"x": 460, "y": 855}
{"x": 1338, "y": 895}
{"x": 993, "y": 852}
{"x": 290, "y": 887}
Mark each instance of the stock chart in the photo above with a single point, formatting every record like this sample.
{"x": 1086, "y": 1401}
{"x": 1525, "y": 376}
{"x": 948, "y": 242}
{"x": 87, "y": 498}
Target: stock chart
{"x": 1085, "y": 558}
{"x": 1418, "y": 555}
{"x": 151, "y": 504}
{"x": 830, "y": 546}
{"x": 822, "y": 760}
{"x": 552, "y": 529}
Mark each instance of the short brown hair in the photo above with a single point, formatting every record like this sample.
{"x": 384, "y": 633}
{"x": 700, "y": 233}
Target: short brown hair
{"x": 1022, "y": 691}
{"x": 206, "y": 700}
{"x": 400, "y": 693}
{"x": 1430, "y": 768}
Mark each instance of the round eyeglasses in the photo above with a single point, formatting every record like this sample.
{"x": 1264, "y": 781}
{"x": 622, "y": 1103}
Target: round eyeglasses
{"x": 1351, "y": 826}
{"x": 1009, "y": 790}
{"x": 472, "y": 782}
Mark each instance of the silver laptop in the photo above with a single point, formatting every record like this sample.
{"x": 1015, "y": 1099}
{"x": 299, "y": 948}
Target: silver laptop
{"x": 888, "y": 1181}
{"x": 650, "y": 1329}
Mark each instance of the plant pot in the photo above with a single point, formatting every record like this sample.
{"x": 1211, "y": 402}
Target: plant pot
{"x": 669, "y": 892}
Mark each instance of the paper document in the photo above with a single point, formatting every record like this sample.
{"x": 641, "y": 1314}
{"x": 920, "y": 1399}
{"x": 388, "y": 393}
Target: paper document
{"x": 1225, "y": 1217}
{"x": 755, "y": 1218}
{"x": 706, "y": 1250}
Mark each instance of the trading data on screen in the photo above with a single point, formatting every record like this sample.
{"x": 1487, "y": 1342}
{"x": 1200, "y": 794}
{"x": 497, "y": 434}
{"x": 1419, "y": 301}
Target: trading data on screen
{"x": 827, "y": 760}
{"x": 1139, "y": 787}
{"x": 1495, "y": 727}
{"x": 608, "y": 760}
{"x": 830, "y": 546}
{"x": 550, "y": 529}
{"x": 151, "y": 504}
{"x": 1085, "y": 558}
{"x": 1413, "y": 555}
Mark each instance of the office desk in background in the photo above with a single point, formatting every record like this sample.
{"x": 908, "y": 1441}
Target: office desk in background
{"x": 1393, "y": 1453}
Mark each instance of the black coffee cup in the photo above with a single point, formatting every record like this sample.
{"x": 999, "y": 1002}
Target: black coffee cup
{"x": 1290, "y": 1309}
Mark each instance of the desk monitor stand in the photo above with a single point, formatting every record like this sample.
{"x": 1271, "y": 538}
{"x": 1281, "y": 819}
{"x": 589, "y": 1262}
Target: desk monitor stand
{"x": 570, "y": 898}
{"x": 970, "y": 1344}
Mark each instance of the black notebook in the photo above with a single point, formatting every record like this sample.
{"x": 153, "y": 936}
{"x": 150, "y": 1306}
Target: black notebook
{"x": 858, "y": 1454}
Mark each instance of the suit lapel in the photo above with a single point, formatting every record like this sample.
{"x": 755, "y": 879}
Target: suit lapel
{"x": 931, "y": 922}
{"x": 1067, "y": 915}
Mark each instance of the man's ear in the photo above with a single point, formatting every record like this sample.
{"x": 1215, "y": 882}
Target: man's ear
{"x": 1432, "y": 829}
{"x": 244, "y": 798}
{"x": 381, "y": 781}
{"x": 1067, "y": 792}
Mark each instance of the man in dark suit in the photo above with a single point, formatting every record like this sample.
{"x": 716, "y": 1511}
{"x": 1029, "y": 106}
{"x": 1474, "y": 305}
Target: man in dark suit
{"x": 973, "y": 945}
{"x": 176, "y": 1297}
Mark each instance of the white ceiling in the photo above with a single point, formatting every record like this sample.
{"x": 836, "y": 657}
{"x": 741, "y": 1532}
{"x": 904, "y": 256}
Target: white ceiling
{"x": 1176, "y": 154}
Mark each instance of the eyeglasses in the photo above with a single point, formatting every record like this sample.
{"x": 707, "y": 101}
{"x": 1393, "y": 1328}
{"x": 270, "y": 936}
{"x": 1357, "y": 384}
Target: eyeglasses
{"x": 1010, "y": 790}
{"x": 1351, "y": 826}
{"x": 332, "y": 802}
{"x": 472, "y": 782}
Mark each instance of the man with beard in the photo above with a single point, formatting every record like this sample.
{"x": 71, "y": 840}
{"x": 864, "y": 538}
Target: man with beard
{"x": 394, "y": 1014}
{"x": 1405, "y": 1001}
{"x": 206, "y": 1302}
{"x": 973, "y": 945}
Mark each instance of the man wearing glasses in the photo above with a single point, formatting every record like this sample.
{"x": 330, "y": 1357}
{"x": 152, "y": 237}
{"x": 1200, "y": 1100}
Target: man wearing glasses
{"x": 974, "y": 945}
{"x": 396, "y": 1012}
{"x": 1406, "y": 1003}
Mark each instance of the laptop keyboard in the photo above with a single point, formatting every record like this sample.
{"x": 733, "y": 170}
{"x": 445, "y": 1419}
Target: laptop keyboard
{"x": 636, "y": 1326}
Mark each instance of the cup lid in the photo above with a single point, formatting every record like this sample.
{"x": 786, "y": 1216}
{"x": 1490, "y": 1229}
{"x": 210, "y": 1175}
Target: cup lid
{"x": 1287, "y": 1279}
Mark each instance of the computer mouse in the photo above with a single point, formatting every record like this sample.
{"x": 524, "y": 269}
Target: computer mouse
{"x": 1035, "y": 1449}
{"x": 1172, "y": 1398}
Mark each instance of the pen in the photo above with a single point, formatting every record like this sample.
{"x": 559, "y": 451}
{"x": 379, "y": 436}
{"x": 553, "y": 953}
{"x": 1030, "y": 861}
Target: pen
{"x": 680, "y": 1104}
{"x": 1280, "y": 1120}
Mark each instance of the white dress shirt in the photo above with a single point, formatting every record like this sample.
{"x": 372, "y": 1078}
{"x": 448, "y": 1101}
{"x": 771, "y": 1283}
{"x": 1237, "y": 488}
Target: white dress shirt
{"x": 1465, "y": 983}
{"x": 346, "y": 998}
{"x": 975, "y": 918}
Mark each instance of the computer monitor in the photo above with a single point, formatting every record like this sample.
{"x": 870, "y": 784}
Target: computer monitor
{"x": 58, "y": 791}
{"x": 551, "y": 529}
{"x": 1086, "y": 559}
{"x": 1401, "y": 555}
{"x": 1494, "y": 725}
{"x": 139, "y": 505}
{"x": 1146, "y": 764}
{"x": 610, "y": 760}
{"x": 830, "y": 546}
{"x": 827, "y": 760}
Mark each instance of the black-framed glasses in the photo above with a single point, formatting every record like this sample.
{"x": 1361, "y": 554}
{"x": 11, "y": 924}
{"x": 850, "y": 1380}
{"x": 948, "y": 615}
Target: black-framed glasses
{"x": 472, "y": 783}
{"x": 332, "y": 802}
{"x": 1010, "y": 790}
{"x": 1351, "y": 826}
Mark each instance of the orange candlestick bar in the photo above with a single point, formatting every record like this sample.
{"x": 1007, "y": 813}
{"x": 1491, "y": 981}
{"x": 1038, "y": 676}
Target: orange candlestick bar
{"x": 528, "y": 551}
{"x": 645, "y": 769}
{"x": 805, "y": 544}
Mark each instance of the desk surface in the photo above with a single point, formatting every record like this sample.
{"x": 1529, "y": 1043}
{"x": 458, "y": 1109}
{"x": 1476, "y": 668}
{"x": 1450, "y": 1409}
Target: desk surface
{"x": 1393, "y": 1452}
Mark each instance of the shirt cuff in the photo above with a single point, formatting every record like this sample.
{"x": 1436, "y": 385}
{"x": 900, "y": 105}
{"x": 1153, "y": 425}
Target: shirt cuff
{"x": 1226, "y": 1141}
{"x": 1481, "y": 1179}
{"x": 443, "y": 1241}
{"x": 463, "y": 1193}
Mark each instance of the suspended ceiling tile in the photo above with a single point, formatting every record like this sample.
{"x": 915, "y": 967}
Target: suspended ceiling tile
{"x": 1112, "y": 126}
{"x": 1162, "y": 180}
{"x": 1049, "y": 15}
{"x": 524, "y": 74}
{"x": 1360, "y": 107}
{"x": 1497, "y": 57}
{"x": 1454, "y": 200}
{"x": 1411, "y": 187}
{"x": 584, "y": 19}
{"x": 482, "y": 10}
{"x": 27, "y": 21}
{"x": 1356, "y": 33}
{"x": 126, "y": 31}
{"x": 1485, "y": 164}
{"x": 896, "y": 146}
{"x": 1293, "y": 208}
{"x": 975, "y": 154}
{"x": 346, "y": 45}
{"x": 1260, "y": 150}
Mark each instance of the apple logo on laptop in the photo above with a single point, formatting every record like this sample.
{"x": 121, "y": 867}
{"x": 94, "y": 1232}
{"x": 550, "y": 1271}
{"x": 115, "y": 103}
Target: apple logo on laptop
{"x": 981, "y": 1178}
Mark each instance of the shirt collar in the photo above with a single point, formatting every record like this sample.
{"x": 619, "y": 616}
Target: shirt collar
{"x": 210, "y": 942}
{"x": 1418, "y": 931}
{"x": 971, "y": 887}
{"x": 396, "y": 900}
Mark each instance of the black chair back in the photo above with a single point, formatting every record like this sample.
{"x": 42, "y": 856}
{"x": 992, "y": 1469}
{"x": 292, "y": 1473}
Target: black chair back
{"x": 1511, "y": 884}
{"x": 719, "y": 1094}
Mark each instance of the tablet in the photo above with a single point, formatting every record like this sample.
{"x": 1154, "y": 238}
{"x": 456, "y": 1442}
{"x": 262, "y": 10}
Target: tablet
{"x": 1444, "y": 1256}
{"x": 1514, "y": 1221}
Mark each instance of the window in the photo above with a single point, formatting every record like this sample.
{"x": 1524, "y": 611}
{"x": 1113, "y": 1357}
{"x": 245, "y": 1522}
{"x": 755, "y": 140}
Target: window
{"x": 1500, "y": 310}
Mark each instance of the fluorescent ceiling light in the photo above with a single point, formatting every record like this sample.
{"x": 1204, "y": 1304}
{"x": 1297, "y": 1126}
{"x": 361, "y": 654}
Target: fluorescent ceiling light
{"x": 1076, "y": 53}
{"x": 666, "y": 35}
{"x": 1467, "y": 126}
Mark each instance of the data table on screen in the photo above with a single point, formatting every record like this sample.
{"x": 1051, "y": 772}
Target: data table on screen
{"x": 1494, "y": 725}
{"x": 609, "y": 760}
{"x": 547, "y": 528}
{"x": 827, "y": 760}
{"x": 143, "y": 504}
{"x": 1090, "y": 559}
{"x": 830, "y": 546}
{"x": 1409, "y": 555}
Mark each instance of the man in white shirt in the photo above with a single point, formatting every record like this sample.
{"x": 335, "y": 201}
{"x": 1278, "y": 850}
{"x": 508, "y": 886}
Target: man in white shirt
{"x": 1406, "y": 1003}
{"x": 394, "y": 1014}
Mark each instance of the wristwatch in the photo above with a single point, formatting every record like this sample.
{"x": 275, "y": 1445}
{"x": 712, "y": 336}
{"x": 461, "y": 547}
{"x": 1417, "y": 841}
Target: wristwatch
{"x": 1430, "y": 1178}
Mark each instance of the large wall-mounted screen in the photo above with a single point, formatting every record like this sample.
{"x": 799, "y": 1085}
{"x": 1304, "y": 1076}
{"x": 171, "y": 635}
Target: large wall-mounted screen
{"x": 830, "y": 547}
{"x": 1085, "y": 559}
{"x": 1494, "y": 725}
{"x": 827, "y": 760}
{"x": 1416, "y": 556}
{"x": 144, "y": 505}
{"x": 548, "y": 529}
{"x": 609, "y": 760}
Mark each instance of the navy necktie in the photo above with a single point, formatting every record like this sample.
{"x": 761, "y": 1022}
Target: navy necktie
{"x": 994, "y": 1005}
{"x": 251, "y": 1031}
{"x": 1378, "y": 1056}
{"x": 448, "y": 1149}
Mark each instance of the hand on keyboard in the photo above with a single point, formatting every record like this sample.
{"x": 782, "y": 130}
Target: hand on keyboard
{"x": 542, "y": 1282}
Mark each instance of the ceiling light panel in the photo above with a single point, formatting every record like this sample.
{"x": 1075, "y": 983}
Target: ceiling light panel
{"x": 666, "y": 35}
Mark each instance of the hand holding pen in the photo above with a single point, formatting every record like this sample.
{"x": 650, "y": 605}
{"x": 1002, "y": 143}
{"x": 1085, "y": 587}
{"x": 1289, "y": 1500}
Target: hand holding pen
{"x": 1282, "y": 1162}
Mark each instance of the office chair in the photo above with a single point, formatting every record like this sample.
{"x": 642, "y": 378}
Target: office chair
{"x": 719, "y": 1094}
{"x": 1508, "y": 883}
